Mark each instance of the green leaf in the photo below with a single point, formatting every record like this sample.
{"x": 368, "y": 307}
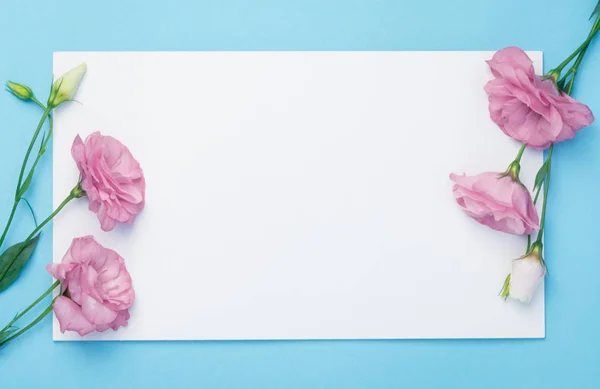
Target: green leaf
{"x": 540, "y": 177}
{"x": 25, "y": 185}
{"x": 596, "y": 10}
{"x": 14, "y": 258}
{"x": 505, "y": 292}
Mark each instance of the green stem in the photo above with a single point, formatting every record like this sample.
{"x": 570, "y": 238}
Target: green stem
{"x": 35, "y": 136}
{"x": 581, "y": 47}
{"x": 535, "y": 199}
{"x": 581, "y": 51}
{"x": 537, "y": 194}
{"x": 66, "y": 201}
{"x": 573, "y": 72}
{"x": 36, "y": 302}
{"x": 515, "y": 166}
{"x": 9, "y": 222}
{"x": 73, "y": 195}
{"x": 575, "y": 67}
{"x": 520, "y": 154}
{"x": 26, "y": 328}
{"x": 546, "y": 187}
{"x": 42, "y": 149}
{"x": 39, "y": 104}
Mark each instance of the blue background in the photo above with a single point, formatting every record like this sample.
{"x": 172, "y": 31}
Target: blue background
{"x": 569, "y": 357}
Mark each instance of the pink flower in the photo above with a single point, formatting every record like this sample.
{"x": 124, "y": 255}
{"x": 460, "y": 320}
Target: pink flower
{"x": 496, "y": 200}
{"x": 112, "y": 179}
{"x": 97, "y": 289}
{"x": 529, "y": 108}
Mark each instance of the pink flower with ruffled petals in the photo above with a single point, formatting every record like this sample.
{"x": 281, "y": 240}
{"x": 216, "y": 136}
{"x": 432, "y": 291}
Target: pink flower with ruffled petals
{"x": 529, "y": 108}
{"x": 111, "y": 178}
{"x": 497, "y": 201}
{"x": 97, "y": 288}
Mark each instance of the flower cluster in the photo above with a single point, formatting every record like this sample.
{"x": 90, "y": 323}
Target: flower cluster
{"x": 96, "y": 289}
{"x": 538, "y": 112}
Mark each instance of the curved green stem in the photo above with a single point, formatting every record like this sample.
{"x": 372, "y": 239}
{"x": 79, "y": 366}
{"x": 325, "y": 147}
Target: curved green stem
{"x": 36, "y": 302}
{"x": 26, "y": 328}
{"x": 39, "y": 104}
{"x": 74, "y": 194}
{"x": 30, "y": 210}
{"x": 66, "y": 201}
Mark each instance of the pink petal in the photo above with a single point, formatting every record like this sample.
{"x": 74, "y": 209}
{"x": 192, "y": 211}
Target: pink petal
{"x": 496, "y": 201}
{"x": 121, "y": 320}
{"x": 529, "y": 108}
{"x": 59, "y": 271}
{"x": 70, "y": 317}
{"x": 106, "y": 222}
{"x": 78, "y": 151}
{"x": 508, "y": 61}
{"x": 96, "y": 312}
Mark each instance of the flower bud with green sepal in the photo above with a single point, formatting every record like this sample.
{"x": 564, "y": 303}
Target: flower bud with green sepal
{"x": 65, "y": 87}
{"x": 21, "y": 91}
{"x": 526, "y": 275}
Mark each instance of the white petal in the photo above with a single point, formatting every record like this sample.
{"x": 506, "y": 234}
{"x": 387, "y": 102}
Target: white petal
{"x": 65, "y": 87}
{"x": 527, "y": 273}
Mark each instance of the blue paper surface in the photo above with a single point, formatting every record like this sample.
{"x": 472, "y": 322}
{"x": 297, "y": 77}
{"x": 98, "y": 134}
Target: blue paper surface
{"x": 569, "y": 357}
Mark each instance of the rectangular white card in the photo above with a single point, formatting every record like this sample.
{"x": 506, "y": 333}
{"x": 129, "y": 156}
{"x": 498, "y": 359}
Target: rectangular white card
{"x": 299, "y": 195}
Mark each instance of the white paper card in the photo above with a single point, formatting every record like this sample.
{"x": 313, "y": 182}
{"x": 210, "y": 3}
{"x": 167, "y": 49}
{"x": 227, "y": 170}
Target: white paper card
{"x": 299, "y": 195}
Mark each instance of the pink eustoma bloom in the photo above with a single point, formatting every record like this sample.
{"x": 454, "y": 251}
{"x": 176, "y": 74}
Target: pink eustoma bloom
{"x": 111, "y": 178}
{"x": 496, "y": 200}
{"x": 528, "y": 107}
{"x": 97, "y": 288}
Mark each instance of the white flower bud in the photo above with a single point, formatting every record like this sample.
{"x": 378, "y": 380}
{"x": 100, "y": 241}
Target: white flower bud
{"x": 527, "y": 274}
{"x": 65, "y": 87}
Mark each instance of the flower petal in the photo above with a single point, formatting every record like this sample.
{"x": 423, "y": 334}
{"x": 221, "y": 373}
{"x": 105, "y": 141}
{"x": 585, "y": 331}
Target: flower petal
{"x": 527, "y": 274}
{"x": 96, "y": 312}
{"x": 70, "y": 317}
